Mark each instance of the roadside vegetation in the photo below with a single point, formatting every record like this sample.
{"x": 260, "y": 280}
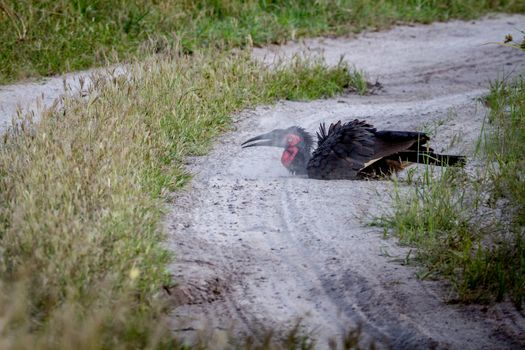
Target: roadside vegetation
{"x": 81, "y": 192}
{"x": 40, "y": 38}
{"x": 469, "y": 227}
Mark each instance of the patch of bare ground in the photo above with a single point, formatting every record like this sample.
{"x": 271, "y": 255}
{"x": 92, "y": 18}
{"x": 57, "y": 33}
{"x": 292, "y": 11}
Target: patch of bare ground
{"x": 258, "y": 248}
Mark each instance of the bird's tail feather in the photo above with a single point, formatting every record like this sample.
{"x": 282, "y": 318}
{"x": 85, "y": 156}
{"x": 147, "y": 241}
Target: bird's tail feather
{"x": 432, "y": 158}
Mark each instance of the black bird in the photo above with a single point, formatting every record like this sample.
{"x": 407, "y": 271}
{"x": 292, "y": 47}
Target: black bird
{"x": 352, "y": 150}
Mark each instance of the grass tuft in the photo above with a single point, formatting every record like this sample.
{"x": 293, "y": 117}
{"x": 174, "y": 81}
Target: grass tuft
{"x": 505, "y": 145}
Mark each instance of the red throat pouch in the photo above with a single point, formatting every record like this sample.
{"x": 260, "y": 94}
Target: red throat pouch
{"x": 289, "y": 155}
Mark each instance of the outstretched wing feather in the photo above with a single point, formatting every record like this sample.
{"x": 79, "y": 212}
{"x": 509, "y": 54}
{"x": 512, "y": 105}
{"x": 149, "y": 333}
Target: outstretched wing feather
{"x": 389, "y": 142}
{"x": 343, "y": 151}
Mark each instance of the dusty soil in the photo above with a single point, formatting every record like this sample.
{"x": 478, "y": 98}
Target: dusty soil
{"x": 258, "y": 248}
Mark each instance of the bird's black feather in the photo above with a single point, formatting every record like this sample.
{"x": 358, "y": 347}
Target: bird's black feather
{"x": 341, "y": 152}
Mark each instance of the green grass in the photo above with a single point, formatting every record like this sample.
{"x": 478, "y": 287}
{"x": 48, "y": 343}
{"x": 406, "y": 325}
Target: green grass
{"x": 506, "y": 144}
{"x": 44, "y": 37}
{"x": 81, "y": 194}
{"x": 470, "y": 230}
{"x": 505, "y": 148}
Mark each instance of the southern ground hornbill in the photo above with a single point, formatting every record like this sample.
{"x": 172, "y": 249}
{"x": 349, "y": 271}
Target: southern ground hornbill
{"x": 352, "y": 150}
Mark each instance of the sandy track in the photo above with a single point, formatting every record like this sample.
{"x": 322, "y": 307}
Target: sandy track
{"x": 259, "y": 248}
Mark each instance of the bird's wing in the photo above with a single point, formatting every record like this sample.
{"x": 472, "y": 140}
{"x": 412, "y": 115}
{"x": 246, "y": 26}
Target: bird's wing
{"x": 342, "y": 151}
{"x": 322, "y": 135}
{"x": 395, "y": 146}
{"x": 390, "y": 142}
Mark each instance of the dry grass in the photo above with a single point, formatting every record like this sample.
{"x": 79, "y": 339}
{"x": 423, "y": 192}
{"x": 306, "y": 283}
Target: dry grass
{"x": 82, "y": 262}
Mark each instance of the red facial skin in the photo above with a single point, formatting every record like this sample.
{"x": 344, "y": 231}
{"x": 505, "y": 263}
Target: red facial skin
{"x": 291, "y": 149}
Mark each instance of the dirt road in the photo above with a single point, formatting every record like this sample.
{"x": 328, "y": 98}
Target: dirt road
{"x": 257, "y": 247}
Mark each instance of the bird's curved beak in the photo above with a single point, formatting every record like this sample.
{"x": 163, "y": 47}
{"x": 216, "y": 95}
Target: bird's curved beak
{"x": 272, "y": 138}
